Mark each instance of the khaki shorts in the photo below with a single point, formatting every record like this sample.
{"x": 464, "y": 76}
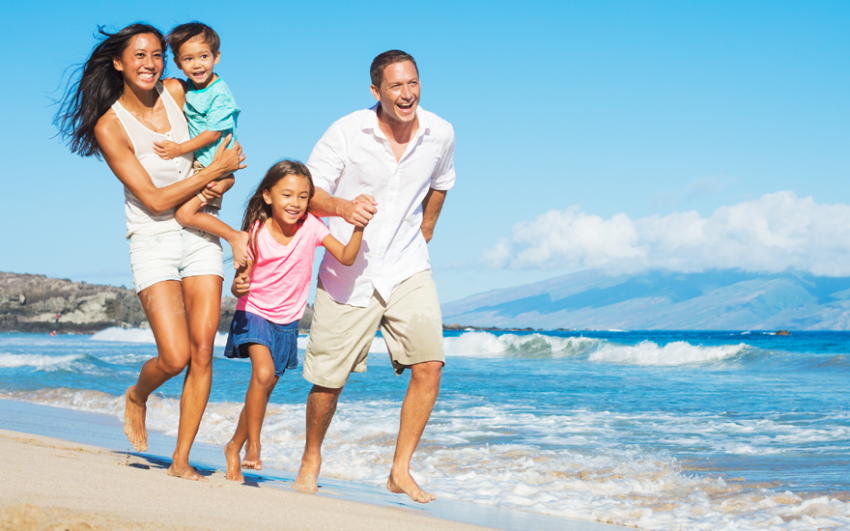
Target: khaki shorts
{"x": 341, "y": 334}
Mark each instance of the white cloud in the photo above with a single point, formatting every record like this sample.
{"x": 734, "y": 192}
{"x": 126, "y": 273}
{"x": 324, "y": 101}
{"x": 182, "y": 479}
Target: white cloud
{"x": 773, "y": 233}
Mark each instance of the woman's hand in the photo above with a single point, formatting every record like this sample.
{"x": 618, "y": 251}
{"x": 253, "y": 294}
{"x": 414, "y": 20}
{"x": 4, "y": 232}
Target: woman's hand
{"x": 229, "y": 160}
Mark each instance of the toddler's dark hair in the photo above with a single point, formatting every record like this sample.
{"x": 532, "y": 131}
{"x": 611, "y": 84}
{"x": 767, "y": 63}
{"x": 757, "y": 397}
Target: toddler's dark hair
{"x": 184, "y": 33}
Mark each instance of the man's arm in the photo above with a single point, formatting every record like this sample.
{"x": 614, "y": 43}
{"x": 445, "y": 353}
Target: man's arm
{"x": 431, "y": 207}
{"x": 357, "y": 212}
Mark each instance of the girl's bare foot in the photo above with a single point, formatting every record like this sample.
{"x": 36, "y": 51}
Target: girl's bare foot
{"x": 231, "y": 453}
{"x": 403, "y": 483}
{"x": 252, "y": 457}
{"x": 134, "y": 421}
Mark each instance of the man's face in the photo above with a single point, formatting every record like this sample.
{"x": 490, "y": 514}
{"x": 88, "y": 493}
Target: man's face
{"x": 399, "y": 92}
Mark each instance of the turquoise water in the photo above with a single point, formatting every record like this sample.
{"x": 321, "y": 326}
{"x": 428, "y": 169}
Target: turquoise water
{"x": 657, "y": 430}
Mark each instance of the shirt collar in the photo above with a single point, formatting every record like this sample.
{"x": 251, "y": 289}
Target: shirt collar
{"x": 369, "y": 122}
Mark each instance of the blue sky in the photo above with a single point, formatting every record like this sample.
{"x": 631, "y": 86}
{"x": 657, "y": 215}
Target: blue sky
{"x": 619, "y": 110}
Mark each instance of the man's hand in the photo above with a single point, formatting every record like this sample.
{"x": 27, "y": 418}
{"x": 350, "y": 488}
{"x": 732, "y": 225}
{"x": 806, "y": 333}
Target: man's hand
{"x": 167, "y": 149}
{"x": 359, "y": 211}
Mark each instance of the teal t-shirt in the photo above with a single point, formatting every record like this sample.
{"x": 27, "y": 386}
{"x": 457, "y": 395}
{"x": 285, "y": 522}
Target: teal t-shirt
{"x": 211, "y": 109}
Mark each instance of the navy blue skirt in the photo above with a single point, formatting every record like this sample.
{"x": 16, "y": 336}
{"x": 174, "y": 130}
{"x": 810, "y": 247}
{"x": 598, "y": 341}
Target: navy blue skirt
{"x": 281, "y": 340}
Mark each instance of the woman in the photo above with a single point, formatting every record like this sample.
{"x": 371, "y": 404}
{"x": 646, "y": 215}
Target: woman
{"x": 116, "y": 110}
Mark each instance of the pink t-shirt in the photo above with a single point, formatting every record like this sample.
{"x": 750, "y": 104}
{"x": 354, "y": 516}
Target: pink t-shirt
{"x": 280, "y": 279}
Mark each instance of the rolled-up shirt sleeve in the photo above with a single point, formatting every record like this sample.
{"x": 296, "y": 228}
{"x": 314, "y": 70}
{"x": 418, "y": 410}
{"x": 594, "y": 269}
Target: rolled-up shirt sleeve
{"x": 443, "y": 177}
{"x": 327, "y": 160}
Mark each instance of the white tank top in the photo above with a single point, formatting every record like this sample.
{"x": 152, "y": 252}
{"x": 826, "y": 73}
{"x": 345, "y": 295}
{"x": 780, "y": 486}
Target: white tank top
{"x": 162, "y": 172}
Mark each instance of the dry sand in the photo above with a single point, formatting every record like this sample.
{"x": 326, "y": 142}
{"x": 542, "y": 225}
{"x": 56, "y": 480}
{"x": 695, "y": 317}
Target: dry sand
{"x": 51, "y": 484}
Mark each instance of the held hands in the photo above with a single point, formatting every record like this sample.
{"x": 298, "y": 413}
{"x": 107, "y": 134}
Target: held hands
{"x": 360, "y": 211}
{"x": 167, "y": 149}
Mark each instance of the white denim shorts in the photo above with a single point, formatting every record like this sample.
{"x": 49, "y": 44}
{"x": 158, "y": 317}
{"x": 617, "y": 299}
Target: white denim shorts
{"x": 174, "y": 255}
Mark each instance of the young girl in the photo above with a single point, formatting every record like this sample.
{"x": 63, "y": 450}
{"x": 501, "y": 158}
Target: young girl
{"x": 283, "y": 242}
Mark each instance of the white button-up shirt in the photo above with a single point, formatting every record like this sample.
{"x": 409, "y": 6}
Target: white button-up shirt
{"x": 354, "y": 157}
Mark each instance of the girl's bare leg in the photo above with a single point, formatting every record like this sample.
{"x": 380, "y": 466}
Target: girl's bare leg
{"x": 163, "y": 305}
{"x": 263, "y": 381}
{"x": 202, "y": 295}
{"x": 234, "y": 447}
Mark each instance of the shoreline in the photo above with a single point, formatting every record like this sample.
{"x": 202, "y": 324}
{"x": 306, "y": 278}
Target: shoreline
{"x": 61, "y": 466}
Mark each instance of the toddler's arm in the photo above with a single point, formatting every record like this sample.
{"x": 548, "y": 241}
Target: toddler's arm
{"x": 169, "y": 150}
{"x": 188, "y": 215}
{"x": 346, "y": 254}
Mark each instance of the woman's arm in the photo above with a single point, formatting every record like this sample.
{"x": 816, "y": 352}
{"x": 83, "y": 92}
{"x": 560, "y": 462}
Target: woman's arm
{"x": 117, "y": 150}
{"x": 346, "y": 254}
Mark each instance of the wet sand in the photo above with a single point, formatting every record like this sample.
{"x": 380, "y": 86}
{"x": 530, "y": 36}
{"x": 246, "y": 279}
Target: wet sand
{"x": 55, "y": 484}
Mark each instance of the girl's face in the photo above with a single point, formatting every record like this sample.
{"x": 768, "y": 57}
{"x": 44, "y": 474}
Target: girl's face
{"x": 289, "y": 198}
{"x": 141, "y": 64}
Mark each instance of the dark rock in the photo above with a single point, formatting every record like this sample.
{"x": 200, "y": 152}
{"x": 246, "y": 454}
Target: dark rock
{"x": 783, "y": 333}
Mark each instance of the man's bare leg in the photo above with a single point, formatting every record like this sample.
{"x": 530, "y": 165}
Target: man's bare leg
{"x": 202, "y": 295}
{"x": 163, "y": 305}
{"x": 321, "y": 406}
{"x": 415, "y": 411}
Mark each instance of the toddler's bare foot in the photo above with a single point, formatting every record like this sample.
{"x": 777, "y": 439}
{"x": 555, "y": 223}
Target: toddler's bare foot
{"x": 403, "y": 483}
{"x": 252, "y": 458}
{"x": 134, "y": 421}
{"x": 231, "y": 453}
{"x": 308, "y": 475}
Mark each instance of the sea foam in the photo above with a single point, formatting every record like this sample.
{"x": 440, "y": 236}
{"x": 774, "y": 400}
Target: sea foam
{"x": 676, "y": 353}
{"x": 621, "y": 485}
{"x": 39, "y": 361}
{"x": 140, "y": 335}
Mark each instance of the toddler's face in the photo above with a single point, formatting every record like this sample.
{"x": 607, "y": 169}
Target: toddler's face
{"x": 196, "y": 60}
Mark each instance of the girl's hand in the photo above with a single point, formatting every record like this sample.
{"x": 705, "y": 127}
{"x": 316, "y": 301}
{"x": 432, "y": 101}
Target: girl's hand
{"x": 229, "y": 160}
{"x": 239, "y": 245}
{"x": 167, "y": 149}
{"x": 241, "y": 284}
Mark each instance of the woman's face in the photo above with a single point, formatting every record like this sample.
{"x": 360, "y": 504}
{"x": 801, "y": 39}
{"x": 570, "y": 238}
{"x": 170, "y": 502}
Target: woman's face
{"x": 141, "y": 64}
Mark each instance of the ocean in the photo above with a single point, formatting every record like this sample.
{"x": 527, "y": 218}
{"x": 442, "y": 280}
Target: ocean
{"x": 655, "y": 430}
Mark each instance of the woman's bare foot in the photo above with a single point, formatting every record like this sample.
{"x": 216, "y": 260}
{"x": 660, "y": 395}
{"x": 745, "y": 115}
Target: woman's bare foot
{"x": 403, "y": 483}
{"x": 252, "y": 457}
{"x": 186, "y": 472}
{"x": 231, "y": 453}
{"x": 134, "y": 421}
{"x": 308, "y": 475}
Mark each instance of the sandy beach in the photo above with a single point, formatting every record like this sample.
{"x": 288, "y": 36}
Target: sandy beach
{"x": 55, "y": 484}
{"x": 52, "y": 483}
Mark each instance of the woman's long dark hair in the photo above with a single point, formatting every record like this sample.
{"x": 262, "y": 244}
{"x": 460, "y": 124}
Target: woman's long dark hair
{"x": 258, "y": 210}
{"x": 98, "y": 87}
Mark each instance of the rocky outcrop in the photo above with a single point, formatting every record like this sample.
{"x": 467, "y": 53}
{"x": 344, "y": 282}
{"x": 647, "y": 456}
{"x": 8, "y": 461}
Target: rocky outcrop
{"x": 36, "y": 303}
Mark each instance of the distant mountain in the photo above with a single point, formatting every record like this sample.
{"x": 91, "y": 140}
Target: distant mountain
{"x": 716, "y": 300}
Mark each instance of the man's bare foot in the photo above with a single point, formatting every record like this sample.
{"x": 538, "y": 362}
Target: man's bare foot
{"x": 134, "y": 421}
{"x": 308, "y": 476}
{"x": 231, "y": 453}
{"x": 252, "y": 458}
{"x": 185, "y": 473}
{"x": 403, "y": 483}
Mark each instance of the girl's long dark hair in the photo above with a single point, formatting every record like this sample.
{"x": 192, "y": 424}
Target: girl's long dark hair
{"x": 98, "y": 87}
{"x": 258, "y": 210}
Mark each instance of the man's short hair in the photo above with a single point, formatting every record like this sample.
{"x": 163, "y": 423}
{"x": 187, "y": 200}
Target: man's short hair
{"x": 382, "y": 61}
{"x": 186, "y": 32}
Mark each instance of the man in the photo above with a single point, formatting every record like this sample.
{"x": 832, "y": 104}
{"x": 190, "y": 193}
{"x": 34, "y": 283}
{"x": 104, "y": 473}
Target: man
{"x": 399, "y": 158}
